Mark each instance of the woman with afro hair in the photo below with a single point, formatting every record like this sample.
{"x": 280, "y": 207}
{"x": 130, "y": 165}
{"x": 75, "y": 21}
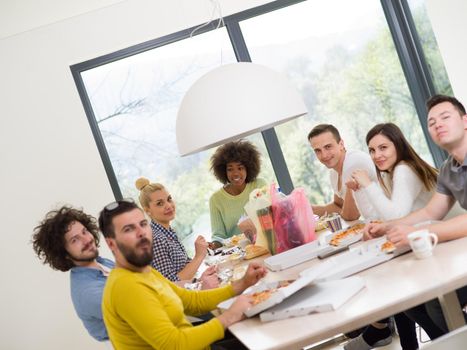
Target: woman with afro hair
{"x": 236, "y": 165}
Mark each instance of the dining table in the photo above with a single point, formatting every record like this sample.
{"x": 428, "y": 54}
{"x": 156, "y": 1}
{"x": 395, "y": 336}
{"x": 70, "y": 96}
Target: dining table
{"x": 390, "y": 287}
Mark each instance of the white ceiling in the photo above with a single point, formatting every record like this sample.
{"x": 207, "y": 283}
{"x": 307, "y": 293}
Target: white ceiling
{"x": 17, "y": 16}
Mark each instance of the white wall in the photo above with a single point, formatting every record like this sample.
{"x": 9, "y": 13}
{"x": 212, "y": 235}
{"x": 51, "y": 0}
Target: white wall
{"x": 449, "y": 24}
{"x": 47, "y": 152}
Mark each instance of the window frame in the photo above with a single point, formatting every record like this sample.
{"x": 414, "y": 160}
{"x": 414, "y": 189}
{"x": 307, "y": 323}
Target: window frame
{"x": 404, "y": 34}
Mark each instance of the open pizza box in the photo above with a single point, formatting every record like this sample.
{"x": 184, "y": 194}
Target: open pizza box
{"x": 314, "y": 298}
{"x": 295, "y": 256}
{"x": 358, "y": 258}
{"x": 326, "y": 245}
{"x": 267, "y": 294}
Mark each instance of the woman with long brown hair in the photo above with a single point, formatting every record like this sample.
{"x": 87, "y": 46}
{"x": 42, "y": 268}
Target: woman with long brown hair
{"x": 405, "y": 183}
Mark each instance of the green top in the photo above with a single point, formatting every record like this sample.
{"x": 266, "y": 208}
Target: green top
{"x": 226, "y": 209}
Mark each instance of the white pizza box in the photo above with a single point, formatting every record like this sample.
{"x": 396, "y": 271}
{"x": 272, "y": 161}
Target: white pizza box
{"x": 359, "y": 257}
{"x": 281, "y": 293}
{"x": 319, "y": 297}
{"x": 295, "y": 256}
{"x": 309, "y": 251}
{"x": 351, "y": 262}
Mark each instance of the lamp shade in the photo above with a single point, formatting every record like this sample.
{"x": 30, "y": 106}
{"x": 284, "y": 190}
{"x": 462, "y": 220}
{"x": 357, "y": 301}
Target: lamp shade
{"x": 234, "y": 101}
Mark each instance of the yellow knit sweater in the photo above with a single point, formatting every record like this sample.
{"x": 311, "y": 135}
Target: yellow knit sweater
{"x": 146, "y": 311}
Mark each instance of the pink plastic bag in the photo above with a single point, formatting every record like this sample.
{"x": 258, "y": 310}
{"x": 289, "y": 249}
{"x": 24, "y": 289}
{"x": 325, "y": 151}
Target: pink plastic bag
{"x": 293, "y": 219}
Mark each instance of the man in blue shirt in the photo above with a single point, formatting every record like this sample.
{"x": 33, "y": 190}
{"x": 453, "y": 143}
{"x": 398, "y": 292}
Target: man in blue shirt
{"x": 68, "y": 240}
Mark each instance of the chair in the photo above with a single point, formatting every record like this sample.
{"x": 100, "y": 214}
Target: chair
{"x": 457, "y": 339}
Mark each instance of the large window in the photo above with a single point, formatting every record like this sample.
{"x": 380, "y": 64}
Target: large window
{"x": 135, "y": 102}
{"x": 345, "y": 64}
{"x": 430, "y": 47}
{"x": 339, "y": 54}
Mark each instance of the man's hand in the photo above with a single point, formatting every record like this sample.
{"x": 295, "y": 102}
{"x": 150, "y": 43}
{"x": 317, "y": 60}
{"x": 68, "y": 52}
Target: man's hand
{"x": 398, "y": 235}
{"x": 352, "y": 185}
{"x": 236, "y": 311}
{"x": 375, "y": 230}
{"x": 253, "y": 274}
{"x": 361, "y": 177}
{"x": 201, "y": 247}
{"x": 209, "y": 278}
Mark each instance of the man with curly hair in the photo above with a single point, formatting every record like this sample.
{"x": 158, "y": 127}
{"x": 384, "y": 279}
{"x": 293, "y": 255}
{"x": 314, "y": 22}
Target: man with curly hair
{"x": 236, "y": 165}
{"x": 68, "y": 240}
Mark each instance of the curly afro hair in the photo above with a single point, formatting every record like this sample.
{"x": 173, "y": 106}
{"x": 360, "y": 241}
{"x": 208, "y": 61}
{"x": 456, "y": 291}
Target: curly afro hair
{"x": 48, "y": 239}
{"x": 241, "y": 151}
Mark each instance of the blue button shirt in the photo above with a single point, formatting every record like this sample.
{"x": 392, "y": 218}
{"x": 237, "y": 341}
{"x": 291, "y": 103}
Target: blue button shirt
{"x": 87, "y": 285}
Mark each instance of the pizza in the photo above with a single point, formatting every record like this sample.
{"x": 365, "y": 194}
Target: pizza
{"x": 264, "y": 295}
{"x": 252, "y": 251}
{"x": 340, "y": 236}
{"x": 235, "y": 240}
{"x": 388, "y": 247}
{"x": 259, "y": 297}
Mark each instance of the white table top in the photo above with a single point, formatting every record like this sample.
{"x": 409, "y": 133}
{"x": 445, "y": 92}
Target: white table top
{"x": 392, "y": 287}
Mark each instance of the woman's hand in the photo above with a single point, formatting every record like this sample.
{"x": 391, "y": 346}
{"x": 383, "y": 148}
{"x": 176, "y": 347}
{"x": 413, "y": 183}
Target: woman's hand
{"x": 253, "y": 274}
{"x": 201, "y": 247}
{"x": 209, "y": 278}
{"x": 361, "y": 177}
{"x": 236, "y": 311}
{"x": 375, "y": 230}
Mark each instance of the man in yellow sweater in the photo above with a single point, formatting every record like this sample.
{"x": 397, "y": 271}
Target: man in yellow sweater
{"x": 142, "y": 309}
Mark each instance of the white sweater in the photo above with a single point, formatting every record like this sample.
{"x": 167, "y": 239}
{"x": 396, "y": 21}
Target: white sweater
{"x": 354, "y": 160}
{"x": 407, "y": 194}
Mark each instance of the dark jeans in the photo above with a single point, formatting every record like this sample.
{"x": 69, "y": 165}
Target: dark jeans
{"x": 435, "y": 312}
{"x": 420, "y": 315}
{"x": 406, "y": 329}
{"x": 228, "y": 343}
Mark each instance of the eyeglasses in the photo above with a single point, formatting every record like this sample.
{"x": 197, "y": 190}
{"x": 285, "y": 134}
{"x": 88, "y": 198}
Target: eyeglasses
{"x": 114, "y": 205}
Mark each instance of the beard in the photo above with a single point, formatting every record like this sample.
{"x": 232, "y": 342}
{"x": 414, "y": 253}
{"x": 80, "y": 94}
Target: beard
{"x": 89, "y": 257}
{"x": 139, "y": 260}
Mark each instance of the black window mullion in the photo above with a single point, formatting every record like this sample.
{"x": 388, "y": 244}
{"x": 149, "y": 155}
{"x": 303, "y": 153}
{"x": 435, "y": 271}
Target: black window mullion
{"x": 413, "y": 63}
{"x": 269, "y": 136}
{"x": 97, "y": 134}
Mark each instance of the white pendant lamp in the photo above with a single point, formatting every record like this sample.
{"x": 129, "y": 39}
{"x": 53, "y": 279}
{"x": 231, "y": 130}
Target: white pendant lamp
{"x": 233, "y": 101}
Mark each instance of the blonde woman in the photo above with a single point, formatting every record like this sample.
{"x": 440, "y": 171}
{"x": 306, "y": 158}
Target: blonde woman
{"x": 170, "y": 257}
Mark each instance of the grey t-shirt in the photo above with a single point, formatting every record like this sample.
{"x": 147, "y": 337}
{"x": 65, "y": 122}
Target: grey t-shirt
{"x": 452, "y": 180}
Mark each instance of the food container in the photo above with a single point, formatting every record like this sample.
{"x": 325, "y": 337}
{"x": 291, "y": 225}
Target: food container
{"x": 333, "y": 222}
{"x": 267, "y": 294}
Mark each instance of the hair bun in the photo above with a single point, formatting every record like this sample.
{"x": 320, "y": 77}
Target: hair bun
{"x": 141, "y": 183}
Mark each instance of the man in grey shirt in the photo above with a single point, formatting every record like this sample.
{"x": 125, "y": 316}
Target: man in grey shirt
{"x": 447, "y": 124}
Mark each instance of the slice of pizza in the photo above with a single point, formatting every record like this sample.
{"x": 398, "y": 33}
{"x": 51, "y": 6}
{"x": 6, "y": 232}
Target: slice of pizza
{"x": 388, "y": 247}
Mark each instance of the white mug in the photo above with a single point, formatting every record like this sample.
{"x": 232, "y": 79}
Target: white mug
{"x": 422, "y": 243}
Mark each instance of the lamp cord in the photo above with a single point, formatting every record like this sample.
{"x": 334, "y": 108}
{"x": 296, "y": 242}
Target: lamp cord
{"x": 216, "y": 8}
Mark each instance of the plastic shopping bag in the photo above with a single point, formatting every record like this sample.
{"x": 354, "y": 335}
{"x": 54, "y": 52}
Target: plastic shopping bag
{"x": 258, "y": 210}
{"x": 293, "y": 219}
